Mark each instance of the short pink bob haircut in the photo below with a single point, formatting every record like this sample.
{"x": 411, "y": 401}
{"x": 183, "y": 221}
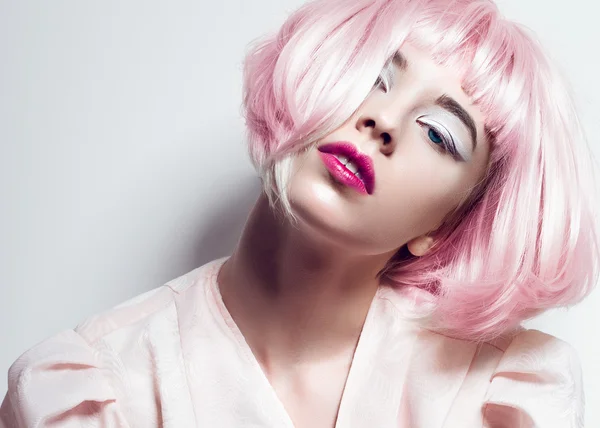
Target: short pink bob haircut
{"x": 526, "y": 239}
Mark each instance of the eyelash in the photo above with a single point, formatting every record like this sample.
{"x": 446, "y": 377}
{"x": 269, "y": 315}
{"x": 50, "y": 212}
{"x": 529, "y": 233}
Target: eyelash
{"x": 446, "y": 145}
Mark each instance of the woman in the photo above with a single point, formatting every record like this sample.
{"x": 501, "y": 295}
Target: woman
{"x": 427, "y": 188}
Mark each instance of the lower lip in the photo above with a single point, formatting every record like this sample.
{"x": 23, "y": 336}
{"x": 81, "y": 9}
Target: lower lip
{"x": 341, "y": 173}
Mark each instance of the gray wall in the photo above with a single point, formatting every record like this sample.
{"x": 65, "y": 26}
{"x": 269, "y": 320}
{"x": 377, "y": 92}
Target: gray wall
{"x": 123, "y": 162}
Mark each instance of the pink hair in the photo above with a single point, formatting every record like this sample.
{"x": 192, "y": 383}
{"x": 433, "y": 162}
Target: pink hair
{"x": 526, "y": 239}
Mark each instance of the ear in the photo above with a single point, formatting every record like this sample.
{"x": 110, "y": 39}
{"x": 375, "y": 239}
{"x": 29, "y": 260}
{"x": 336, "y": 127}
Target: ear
{"x": 420, "y": 245}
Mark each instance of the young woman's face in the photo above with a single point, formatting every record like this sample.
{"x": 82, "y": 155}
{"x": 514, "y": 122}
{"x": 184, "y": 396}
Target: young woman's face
{"x": 426, "y": 142}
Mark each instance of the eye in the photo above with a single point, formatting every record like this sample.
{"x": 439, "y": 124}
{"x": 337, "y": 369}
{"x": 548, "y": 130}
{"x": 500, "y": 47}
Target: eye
{"x": 435, "y": 137}
{"x": 439, "y": 136}
{"x": 380, "y": 83}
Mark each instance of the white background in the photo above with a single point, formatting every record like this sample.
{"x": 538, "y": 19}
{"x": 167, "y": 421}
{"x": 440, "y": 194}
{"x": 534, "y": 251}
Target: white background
{"x": 123, "y": 162}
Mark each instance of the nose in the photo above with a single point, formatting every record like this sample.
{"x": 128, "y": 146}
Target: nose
{"x": 380, "y": 128}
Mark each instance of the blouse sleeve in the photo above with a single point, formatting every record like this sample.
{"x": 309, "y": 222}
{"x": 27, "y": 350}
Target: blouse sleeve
{"x": 537, "y": 383}
{"x": 63, "y": 382}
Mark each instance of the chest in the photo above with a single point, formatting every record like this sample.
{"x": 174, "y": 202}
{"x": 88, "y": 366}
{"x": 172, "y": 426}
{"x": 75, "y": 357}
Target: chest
{"x": 313, "y": 399}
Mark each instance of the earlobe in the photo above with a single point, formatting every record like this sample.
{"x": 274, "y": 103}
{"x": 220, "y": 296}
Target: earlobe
{"x": 420, "y": 245}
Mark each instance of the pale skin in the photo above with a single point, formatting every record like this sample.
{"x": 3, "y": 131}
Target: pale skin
{"x": 300, "y": 293}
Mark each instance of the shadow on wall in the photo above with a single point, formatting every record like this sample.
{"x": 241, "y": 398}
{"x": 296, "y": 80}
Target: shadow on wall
{"x": 226, "y": 221}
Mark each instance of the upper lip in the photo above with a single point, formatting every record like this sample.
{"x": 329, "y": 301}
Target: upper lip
{"x": 361, "y": 160}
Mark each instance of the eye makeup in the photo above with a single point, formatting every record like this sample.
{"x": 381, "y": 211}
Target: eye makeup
{"x": 453, "y": 132}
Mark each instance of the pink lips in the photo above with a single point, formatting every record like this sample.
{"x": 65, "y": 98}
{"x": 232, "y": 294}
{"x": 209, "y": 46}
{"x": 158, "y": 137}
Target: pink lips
{"x": 366, "y": 185}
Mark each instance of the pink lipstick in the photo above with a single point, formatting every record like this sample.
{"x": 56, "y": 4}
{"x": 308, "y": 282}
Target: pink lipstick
{"x": 349, "y": 166}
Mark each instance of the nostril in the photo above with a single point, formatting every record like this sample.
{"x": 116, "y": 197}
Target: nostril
{"x": 387, "y": 139}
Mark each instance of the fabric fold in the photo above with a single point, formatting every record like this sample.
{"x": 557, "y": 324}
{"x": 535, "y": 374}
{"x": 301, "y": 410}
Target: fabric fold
{"x": 62, "y": 382}
{"x": 537, "y": 383}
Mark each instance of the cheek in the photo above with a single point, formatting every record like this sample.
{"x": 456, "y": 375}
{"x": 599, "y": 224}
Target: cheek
{"x": 419, "y": 196}
{"x": 308, "y": 184}
{"x": 312, "y": 195}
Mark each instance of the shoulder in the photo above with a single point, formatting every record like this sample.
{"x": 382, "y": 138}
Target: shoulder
{"x": 94, "y": 361}
{"x": 537, "y": 382}
{"x": 530, "y": 349}
{"x": 156, "y": 306}
{"x": 524, "y": 378}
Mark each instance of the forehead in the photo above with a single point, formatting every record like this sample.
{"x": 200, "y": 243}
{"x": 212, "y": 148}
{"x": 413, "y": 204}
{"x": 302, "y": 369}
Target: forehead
{"x": 419, "y": 62}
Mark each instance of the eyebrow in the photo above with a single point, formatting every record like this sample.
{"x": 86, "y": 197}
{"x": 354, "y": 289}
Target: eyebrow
{"x": 400, "y": 60}
{"x": 445, "y": 101}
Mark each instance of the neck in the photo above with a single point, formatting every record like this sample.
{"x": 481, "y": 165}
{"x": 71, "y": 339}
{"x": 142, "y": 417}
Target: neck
{"x": 296, "y": 296}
